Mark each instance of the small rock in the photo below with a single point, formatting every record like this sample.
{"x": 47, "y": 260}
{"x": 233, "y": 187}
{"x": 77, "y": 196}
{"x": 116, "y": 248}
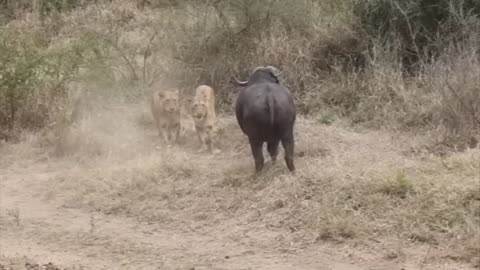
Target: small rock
{"x": 279, "y": 204}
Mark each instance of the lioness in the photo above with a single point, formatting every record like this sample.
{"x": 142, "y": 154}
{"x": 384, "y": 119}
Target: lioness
{"x": 203, "y": 112}
{"x": 166, "y": 112}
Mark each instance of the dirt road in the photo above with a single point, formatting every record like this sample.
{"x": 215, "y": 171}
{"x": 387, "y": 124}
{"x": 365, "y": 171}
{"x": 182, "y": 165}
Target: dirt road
{"x": 34, "y": 228}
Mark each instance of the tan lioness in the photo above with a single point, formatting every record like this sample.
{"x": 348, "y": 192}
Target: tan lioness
{"x": 203, "y": 112}
{"x": 166, "y": 112}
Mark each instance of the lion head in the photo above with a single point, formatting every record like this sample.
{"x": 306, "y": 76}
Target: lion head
{"x": 199, "y": 110}
{"x": 169, "y": 100}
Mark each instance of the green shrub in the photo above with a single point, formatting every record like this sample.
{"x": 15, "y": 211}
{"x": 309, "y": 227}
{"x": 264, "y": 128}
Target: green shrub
{"x": 33, "y": 77}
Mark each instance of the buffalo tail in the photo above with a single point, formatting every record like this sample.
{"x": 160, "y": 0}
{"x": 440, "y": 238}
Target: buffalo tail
{"x": 271, "y": 107}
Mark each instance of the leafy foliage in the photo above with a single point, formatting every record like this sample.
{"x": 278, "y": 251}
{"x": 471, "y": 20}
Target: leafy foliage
{"x": 33, "y": 78}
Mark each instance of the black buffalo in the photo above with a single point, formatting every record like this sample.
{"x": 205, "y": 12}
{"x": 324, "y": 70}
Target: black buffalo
{"x": 266, "y": 112}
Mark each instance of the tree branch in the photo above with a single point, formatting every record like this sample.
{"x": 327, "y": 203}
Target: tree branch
{"x": 122, "y": 54}
{"x": 146, "y": 55}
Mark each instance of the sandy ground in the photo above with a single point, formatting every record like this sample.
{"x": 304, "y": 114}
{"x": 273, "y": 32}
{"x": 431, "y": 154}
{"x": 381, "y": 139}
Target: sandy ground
{"x": 37, "y": 229}
{"x": 45, "y": 233}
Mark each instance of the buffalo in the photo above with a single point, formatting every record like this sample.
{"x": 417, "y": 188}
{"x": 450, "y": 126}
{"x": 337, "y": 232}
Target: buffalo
{"x": 265, "y": 112}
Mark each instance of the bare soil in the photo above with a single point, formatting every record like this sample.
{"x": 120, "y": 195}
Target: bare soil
{"x": 46, "y": 233}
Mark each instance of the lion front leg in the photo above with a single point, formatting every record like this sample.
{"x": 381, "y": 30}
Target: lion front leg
{"x": 165, "y": 134}
{"x": 176, "y": 132}
{"x": 209, "y": 139}
{"x": 159, "y": 127}
{"x": 201, "y": 138}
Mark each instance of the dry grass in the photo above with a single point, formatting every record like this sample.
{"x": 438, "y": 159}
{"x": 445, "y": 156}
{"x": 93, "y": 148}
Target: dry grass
{"x": 350, "y": 185}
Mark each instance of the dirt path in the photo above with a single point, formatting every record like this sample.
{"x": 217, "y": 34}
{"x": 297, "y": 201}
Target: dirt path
{"x": 43, "y": 232}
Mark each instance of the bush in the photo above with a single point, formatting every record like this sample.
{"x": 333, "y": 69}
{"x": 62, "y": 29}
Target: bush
{"x": 456, "y": 81}
{"x": 11, "y": 9}
{"x": 421, "y": 29}
{"x": 443, "y": 97}
{"x": 33, "y": 77}
{"x": 231, "y": 38}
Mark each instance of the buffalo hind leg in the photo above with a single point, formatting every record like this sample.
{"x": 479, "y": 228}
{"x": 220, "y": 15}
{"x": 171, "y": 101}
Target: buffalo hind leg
{"x": 272, "y": 147}
{"x": 256, "y": 147}
{"x": 289, "y": 145}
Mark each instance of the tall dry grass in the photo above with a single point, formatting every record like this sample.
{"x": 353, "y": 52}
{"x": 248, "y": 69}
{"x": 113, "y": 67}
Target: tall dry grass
{"x": 328, "y": 67}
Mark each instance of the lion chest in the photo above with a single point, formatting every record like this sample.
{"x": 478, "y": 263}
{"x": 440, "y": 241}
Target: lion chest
{"x": 203, "y": 125}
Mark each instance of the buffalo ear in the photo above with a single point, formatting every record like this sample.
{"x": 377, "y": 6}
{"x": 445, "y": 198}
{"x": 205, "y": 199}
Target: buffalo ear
{"x": 275, "y": 73}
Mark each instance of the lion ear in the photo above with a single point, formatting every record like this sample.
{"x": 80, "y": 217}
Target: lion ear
{"x": 161, "y": 94}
